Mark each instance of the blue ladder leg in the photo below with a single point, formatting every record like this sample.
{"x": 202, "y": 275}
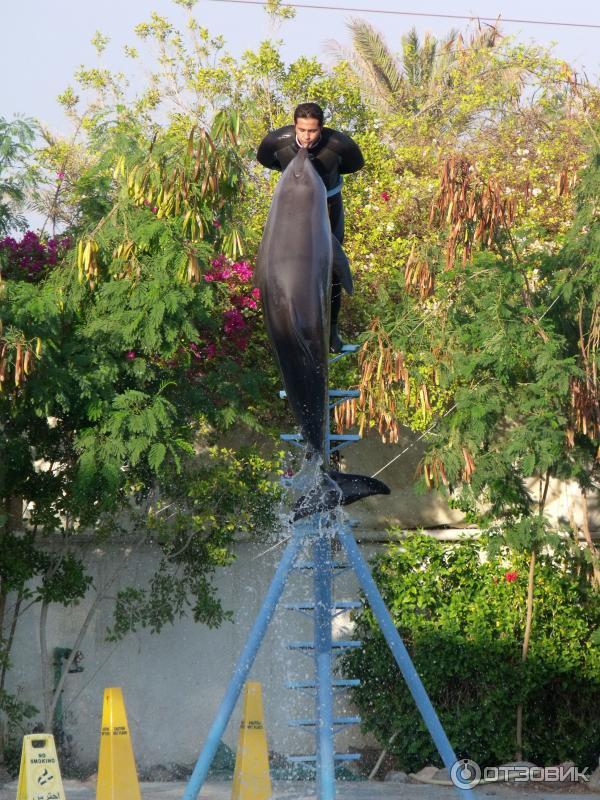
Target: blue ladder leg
{"x": 324, "y": 695}
{"x": 400, "y": 653}
{"x": 243, "y": 666}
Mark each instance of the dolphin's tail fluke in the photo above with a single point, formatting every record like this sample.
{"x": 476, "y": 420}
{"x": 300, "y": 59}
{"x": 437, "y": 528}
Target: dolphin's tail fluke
{"x": 356, "y": 487}
{"x": 337, "y": 489}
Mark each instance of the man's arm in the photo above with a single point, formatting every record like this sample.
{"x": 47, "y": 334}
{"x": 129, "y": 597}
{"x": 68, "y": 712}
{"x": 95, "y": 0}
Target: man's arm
{"x": 271, "y": 144}
{"x": 351, "y": 158}
{"x": 267, "y": 152}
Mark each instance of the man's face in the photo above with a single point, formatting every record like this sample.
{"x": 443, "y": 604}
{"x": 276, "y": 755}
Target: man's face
{"x": 308, "y": 131}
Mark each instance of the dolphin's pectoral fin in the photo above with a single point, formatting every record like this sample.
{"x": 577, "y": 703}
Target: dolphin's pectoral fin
{"x": 341, "y": 265}
{"x": 348, "y": 489}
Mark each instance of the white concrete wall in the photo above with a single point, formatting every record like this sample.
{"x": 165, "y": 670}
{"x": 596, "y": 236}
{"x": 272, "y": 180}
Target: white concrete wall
{"x": 174, "y": 681}
{"x": 406, "y": 508}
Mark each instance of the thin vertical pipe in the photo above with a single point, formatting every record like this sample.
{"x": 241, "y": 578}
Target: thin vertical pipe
{"x": 323, "y": 568}
{"x": 243, "y": 666}
{"x": 400, "y": 653}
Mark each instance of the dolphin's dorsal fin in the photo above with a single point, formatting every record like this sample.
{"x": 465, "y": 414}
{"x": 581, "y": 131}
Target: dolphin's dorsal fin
{"x": 341, "y": 266}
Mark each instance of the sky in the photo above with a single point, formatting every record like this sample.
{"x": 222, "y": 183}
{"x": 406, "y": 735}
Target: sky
{"x": 45, "y": 41}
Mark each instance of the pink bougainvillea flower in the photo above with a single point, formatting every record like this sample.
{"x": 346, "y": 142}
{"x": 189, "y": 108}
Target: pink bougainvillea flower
{"x": 60, "y": 175}
{"x": 234, "y": 321}
{"x": 210, "y": 351}
{"x": 130, "y": 355}
{"x": 255, "y": 293}
{"x": 195, "y": 350}
{"x": 511, "y": 576}
{"x": 216, "y": 223}
{"x": 220, "y": 274}
{"x": 30, "y": 257}
{"x": 243, "y": 270}
{"x": 385, "y": 196}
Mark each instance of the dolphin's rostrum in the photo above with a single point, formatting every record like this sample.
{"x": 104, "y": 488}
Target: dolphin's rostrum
{"x": 294, "y": 276}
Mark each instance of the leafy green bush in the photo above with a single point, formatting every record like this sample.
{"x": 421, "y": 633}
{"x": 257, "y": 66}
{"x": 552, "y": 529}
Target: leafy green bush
{"x": 462, "y": 620}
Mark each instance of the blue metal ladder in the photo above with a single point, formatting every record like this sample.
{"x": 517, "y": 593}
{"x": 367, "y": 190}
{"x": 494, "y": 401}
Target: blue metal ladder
{"x": 323, "y": 609}
{"x": 317, "y": 531}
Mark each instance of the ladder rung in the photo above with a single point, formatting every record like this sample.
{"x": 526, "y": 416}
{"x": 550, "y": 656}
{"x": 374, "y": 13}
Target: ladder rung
{"x": 302, "y": 759}
{"x": 334, "y": 437}
{"x": 339, "y": 447}
{"x": 346, "y": 350}
{"x": 338, "y": 645}
{"x": 332, "y": 393}
{"x": 338, "y": 683}
{"x": 313, "y": 759}
{"x": 311, "y": 565}
{"x": 340, "y": 605}
{"x": 311, "y": 723}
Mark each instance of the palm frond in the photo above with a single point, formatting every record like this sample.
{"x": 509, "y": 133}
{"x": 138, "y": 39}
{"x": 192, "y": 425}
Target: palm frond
{"x": 376, "y": 59}
{"x": 486, "y": 36}
{"x": 411, "y": 47}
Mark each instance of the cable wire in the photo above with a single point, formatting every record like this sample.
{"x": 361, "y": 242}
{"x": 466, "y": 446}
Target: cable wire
{"x": 390, "y": 12}
{"x": 412, "y": 444}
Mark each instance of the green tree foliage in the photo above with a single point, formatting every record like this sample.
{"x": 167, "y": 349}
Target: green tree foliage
{"x": 476, "y": 343}
{"x": 194, "y": 535}
{"x": 461, "y": 619}
{"x": 16, "y": 139}
{"x": 510, "y": 340}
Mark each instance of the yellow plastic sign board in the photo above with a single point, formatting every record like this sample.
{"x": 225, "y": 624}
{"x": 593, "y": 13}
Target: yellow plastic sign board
{"x": 251, "y": 779}
{"x": 117, "y": 775}
{"x": 39, "y": 776}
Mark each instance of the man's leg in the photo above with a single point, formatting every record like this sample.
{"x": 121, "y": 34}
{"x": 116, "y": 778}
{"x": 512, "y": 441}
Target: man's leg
{"x": 335, "y": 341}
{"x": 336, "y": 218}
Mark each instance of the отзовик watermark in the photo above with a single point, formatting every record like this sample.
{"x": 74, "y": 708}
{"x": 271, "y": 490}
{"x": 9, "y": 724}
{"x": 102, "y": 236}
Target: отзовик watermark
{"x": 466, "y": 774}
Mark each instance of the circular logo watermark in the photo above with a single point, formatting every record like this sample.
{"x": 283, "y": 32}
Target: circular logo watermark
{"x": 465, "y": 774}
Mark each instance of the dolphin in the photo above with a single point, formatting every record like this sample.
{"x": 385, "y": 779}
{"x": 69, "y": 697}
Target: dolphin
{"x": 293, "y": 273}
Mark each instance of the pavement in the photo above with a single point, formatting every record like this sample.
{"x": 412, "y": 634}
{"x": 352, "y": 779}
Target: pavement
{"x": 351, "y": 790}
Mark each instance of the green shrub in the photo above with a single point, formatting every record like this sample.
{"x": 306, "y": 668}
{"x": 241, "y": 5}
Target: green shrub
{"x": 462, "y": 620}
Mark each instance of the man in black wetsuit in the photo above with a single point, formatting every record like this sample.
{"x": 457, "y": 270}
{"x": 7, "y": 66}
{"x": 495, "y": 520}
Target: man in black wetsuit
{"x": 333, "y": 154}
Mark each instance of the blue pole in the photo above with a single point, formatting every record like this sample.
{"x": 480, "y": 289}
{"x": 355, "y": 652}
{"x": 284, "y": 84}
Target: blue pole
{"x": 243, "y": 666}
{"x": 322, "y": 637}
{"x": 400, "y": 653}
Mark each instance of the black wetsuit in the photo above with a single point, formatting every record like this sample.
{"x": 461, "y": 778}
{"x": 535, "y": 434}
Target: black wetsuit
{"x": 334, "y": 155}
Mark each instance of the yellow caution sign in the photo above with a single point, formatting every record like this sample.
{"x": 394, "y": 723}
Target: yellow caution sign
{"x": 39, "y": 776}
{"x": 117, "y": 775}
{"x": 251, "y": 779}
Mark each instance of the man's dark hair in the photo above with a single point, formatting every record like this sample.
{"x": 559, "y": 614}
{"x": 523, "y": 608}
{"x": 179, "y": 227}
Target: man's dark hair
{"x": 309, "y": 111}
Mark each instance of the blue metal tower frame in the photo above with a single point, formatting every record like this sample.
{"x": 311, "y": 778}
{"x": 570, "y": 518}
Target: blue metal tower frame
{"x": 320, "y": 533}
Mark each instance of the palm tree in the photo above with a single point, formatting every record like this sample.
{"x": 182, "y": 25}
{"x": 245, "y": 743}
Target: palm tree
{"x": 412, "y": 80}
